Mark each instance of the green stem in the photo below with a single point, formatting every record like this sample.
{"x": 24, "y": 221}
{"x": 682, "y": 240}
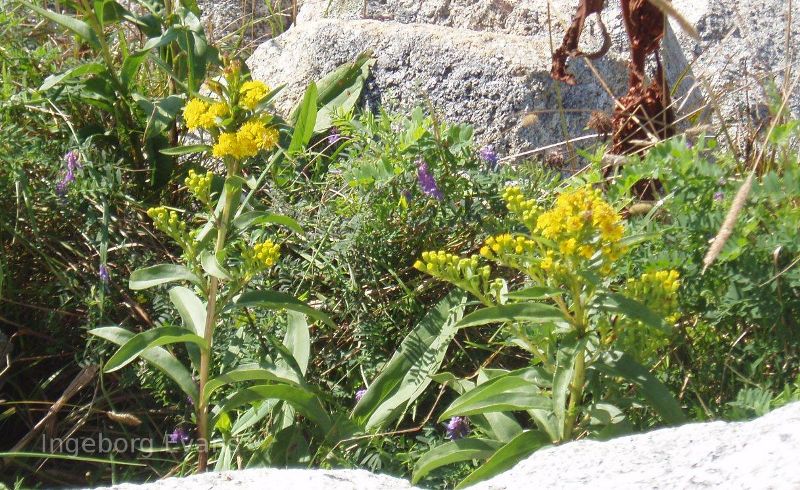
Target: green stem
{"x": 223, "y": 224}
{"x": 575, "y": 393}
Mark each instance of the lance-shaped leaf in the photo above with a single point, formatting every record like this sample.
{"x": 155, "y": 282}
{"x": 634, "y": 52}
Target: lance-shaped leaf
{"x": 156, "y": 356}
{"x": 301, "y": 399}
{"x": 657, "y": 395}
{"x": 161, "y": 274}
{"x": 409, "y": 371}
{"x": 306, "y": 119}
{"x": 185, "y": 150}
{"x": 454, "y": 452}
{"x": 298, "y": 340}
{"x": 84, "y": 69}
{"x": 515, "y": 312}
{"x": 566, "y": 357}
{"x": 274, "y": 300}
{"x": 517, "y": 390}
{"x": 248, "y": 372}
{"x": 251, "y": 218}
{"x": 82, "y": 29}
{"x": 212, "y": 266}
{"x": 190, "y": 307}
{"x": 341, "y": 89}
{"x": 150, "y": 338}
{"x": 507, "y": 457}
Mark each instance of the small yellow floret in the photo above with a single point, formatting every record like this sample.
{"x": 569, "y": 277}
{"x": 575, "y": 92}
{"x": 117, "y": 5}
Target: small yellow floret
{"x": 251, "y": 93}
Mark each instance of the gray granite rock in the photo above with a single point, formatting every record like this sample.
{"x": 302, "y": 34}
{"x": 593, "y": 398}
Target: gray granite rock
{"x": 491, "y": 80}
{"x": 742, "y": 43}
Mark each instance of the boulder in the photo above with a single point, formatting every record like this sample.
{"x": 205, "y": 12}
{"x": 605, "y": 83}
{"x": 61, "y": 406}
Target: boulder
{"x": 759, "y": 454}
{"x": 488, "y": 79}
{"x": 486, "y": 62}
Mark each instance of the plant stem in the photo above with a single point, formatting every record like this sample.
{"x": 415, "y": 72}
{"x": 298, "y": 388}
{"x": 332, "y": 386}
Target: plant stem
{"x": 575, "y": 393}
{"x": 223, "y": 223}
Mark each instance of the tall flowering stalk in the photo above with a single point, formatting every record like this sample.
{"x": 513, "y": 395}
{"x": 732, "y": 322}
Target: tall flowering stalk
{"x": 574, "y": 313}
{"x": 219, "y": 269}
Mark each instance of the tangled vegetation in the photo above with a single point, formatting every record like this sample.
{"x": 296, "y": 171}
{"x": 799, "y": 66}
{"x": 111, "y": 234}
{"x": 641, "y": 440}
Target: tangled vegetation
{"x": 203, "y": 283}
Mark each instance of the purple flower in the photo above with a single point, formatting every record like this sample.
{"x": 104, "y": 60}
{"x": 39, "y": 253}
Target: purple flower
{"x": 457, "y": 428}
{"x": 360, "y": 394}
{"x": 334, "y": 136}
{"x": 489, "y": 156}
{"x": 427, "y": 182}
{"x": 72, "y": 160}
{"x": 103, "y": 273}
{"x": 718, "y": 196}
{"x": 178, "y": 436}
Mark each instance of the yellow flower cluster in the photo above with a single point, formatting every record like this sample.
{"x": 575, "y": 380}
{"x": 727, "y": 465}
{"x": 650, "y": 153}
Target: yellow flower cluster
{"x": 512, "y": 251}
{"x": 463, "y": 272}
{"x": 262, "y": 256}
{"x": 200, "y": 114}
{"x": 252, "y": 137}
{"x": 168, "y": 222}
{"x": 581, "y": 223}
{"x": 251, "y": 93}
{"x": 525, "y": 209}
{"x": 657, "y": 290}
{"x": 199, "y": 185}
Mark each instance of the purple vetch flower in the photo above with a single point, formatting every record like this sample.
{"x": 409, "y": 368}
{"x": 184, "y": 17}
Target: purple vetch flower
{"x": 426, "y": 181}
{"x": 489, "y": 156}
{"x": 457, "y": 428}
{"x": 334, "y": 136}
{"x": 72, "y": 160}
{"x": 360, "y": 394}
{"x": 103, "y": 273}
{"x": 178, "y": 436}
{"x": 719, "y": 196}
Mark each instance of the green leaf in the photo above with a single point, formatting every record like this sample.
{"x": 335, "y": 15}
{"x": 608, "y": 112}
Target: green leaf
{"x": 150, "y": 338}
{"x": 87, "y": 68}
{"x": 190, "y": 307}
{"x": 566, "y": 357}
{"x": 161, "y": 113}
{"x": 250, "y": 218}
{"x": 156, "y": 356}
{"x": 301, "y": 399}
{"x": 341, "y": 89}
{"x": 535, "y": 292}
{"x": 161, "y": 274}
{"x": 634, "y": 310}
{"x": 212, "y": 266}
{"x": 517, "y": 390}
{"x": 453, "y": 452}
{"x": 516, "y": 312}
{"x": 70, "y": 457}
{"x": 409, "y": 371}
{"x": 507, "y": 457}
{"x": 82, "y": 29}
{"x": 298, "y": 339}
{"x": 306, "y": 119}
{"x": 274, "y": 300}
{"x": 185, "y": 150}
{"x": 130, "y": 66}
{"x": 657, "y": 395}
{"x": 248, "y": 372}
{"x": 502, "y": 425}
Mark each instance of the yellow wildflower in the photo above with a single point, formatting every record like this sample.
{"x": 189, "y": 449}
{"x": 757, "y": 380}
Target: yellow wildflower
{"x": 262, "y": 256}
{"x": 251, "y": 93}
{"x": 227, "y": 145}
{"x": 200, "y": 114}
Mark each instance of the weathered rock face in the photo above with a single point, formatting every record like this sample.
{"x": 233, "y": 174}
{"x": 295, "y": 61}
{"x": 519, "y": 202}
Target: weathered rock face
{"x": 488, "y": 79}
{"x": 759, "y": 454}
{"x": 487, "y": 62}
{"x": 261, "y": 19}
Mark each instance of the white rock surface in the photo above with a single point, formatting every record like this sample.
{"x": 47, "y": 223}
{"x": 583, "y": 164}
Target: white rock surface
{"x": 272, "y": 479}
{"x": 760, "y": 454}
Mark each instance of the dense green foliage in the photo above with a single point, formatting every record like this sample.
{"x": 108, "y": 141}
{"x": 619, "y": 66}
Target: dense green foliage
{"x": 346, "y": 353}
